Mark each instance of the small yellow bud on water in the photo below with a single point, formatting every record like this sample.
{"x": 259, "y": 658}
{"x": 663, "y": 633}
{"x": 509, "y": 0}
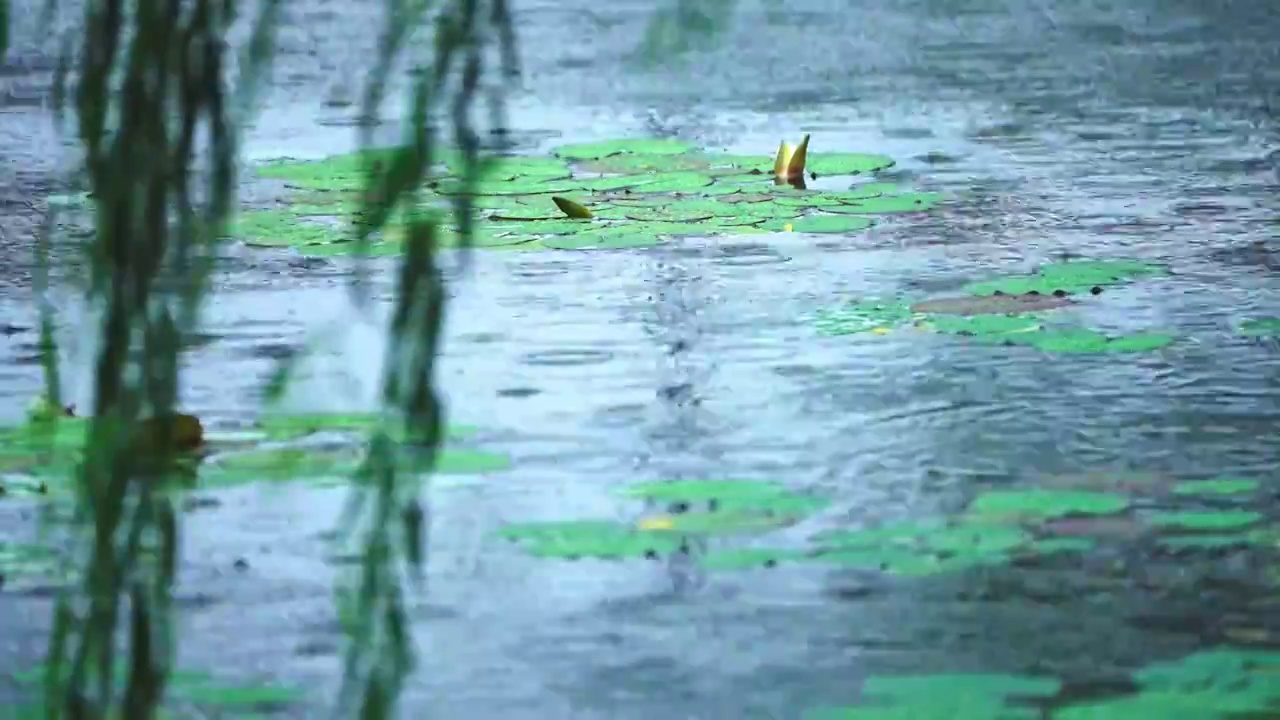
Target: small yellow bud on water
{"x": 660, "y": 522}
{"x": 788, "y": 227}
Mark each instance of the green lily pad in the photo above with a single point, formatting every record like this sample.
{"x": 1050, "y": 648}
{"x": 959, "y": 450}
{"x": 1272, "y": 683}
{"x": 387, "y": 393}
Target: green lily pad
{"x": 544, "y": 227}
{"x": 675, "y": 182}
{"x": 623, "y": 237}
{"x": 1205, "y": 520}
{"x": 1076, "y": 276}
{"x": 820, "y": 224}
{"x": 1261, "y": 327}
{"x": 668, "y": 214}
{"x": 846, "y": 163}
{"x": 1088, "y": 341}
{"x": 1216, "y": 486}
{"x": 1045, "y": 504}
{"x": 863, "y": 316}
{"x": 982, "y": 324}
{"x": 595, "y": 150}
{"x": 574, "y": 539}
{"x": 290, "y": 464}
{"x": 889, "y": 204}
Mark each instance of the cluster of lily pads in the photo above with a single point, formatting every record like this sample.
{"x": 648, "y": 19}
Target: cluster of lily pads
{"x": 321, "y": 449}
{"x": 603, "y": 195}
{"x": 998, "y": 527}
{"x": 1224, "y": 682}
{"x": 1008, "y": 311}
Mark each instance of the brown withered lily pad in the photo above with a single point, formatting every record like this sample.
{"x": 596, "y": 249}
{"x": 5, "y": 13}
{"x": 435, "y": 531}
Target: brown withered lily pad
{"x": 990, "y": 304}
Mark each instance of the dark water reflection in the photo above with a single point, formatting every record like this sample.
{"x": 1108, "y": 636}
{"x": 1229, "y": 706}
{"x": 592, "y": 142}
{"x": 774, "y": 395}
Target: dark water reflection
{"x": 1142, "y": 129}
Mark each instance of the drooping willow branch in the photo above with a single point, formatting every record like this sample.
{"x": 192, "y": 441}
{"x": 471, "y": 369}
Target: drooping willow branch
{"x": 386, "y": 502}
{"x": 150, "y": 82}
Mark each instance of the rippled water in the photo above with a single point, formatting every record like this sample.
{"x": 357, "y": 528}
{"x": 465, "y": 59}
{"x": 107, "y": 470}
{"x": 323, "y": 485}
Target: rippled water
{"x": 1111, "y": 129}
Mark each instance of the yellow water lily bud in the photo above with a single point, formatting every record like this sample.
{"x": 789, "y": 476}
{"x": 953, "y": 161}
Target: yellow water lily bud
{"x": 658, "y": 522}
{"x": 789, "y": 162}
{"x": 571, "y": 209}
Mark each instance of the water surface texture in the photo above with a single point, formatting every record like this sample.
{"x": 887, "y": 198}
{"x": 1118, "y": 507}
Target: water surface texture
{"x": 1140, "y": 130}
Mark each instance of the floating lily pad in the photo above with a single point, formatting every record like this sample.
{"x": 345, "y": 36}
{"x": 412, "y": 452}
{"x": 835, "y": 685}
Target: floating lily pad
{"x": 820, "y": 224}
{"x": 574, "y": 539}
{"x": 595, "y": 150}
{"x": 889, "y": 204}
{"x": 990, "y": 304}
{"x": 675, "y": 182}
{"x": 846, "y": 163}
{"x": 1043, "y": 504}
{"x": 863, "y": 316}
{"x": 624, "y": 237}
{"x": 982, "y": 325}
{"x": 290, "y": 464}
{"x": 1089, "y": 341}
{"x": 1261, "y": 327}
{"x": 1077, "y": 276}
{"x": 1216, "y": 486}
{"x": 1206, "y": 520}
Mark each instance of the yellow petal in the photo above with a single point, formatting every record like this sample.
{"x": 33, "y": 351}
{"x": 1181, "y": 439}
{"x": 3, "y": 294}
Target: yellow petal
{"x": 782, "y": 159}
{"x": 880, "y": 331}
{"x": 571, "y": 208}
{"x": 787, "y": 227}
{"x": 795, "y": 166}
{"x": 658, "y": 522}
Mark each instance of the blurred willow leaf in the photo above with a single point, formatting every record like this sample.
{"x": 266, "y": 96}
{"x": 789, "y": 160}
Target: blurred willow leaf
{"x": 685, "y": 26}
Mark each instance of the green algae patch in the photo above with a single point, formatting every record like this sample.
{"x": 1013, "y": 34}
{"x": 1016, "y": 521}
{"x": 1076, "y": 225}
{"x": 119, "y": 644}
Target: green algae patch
{"x": 639, "y": 193}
